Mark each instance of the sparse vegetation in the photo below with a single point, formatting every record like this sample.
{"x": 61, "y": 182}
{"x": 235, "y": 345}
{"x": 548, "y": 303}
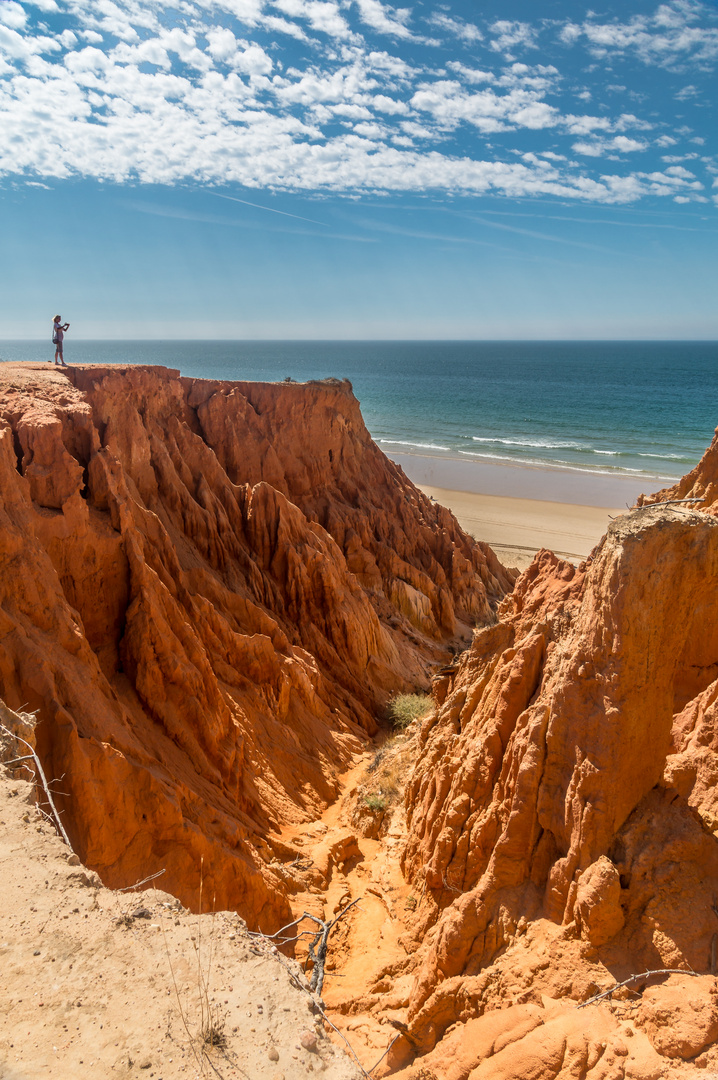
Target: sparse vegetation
{"x": 404, "y": 709}
{"x": 213, "y": 1034}
{"x": 376, "y": 802}
{"x": 377, "y": 759}
{"x": 411, "y": 903}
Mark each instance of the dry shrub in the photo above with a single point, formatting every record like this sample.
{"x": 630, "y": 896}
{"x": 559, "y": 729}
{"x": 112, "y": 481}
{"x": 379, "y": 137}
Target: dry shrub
{"x": 404, "y": 709}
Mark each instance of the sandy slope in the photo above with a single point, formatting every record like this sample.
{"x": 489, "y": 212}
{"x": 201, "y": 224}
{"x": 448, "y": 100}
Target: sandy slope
{"x": 87, "y": 991}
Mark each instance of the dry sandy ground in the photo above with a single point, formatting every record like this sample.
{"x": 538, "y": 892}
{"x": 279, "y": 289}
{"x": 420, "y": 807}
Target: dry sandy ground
{"x": 86, "y": 989}
{"x": 517, "y": 528}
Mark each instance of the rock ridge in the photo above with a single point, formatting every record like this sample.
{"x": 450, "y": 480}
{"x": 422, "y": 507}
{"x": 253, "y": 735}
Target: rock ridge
{"x": 564, "y": 793}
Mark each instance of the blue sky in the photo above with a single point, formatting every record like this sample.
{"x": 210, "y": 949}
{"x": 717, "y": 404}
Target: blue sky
{"x": 352, "y": 169}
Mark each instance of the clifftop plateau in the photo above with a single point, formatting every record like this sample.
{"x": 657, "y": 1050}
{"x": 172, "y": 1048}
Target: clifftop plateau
{"x": 208, "y": 592}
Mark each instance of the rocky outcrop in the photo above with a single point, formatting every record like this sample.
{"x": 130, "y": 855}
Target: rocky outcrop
{"x": 700, "y": 483}
{"x": 566, "y": 779}
{"x": 207, "y": 592}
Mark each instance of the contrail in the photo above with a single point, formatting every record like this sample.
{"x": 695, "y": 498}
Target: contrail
{"x": 258, "y": 206}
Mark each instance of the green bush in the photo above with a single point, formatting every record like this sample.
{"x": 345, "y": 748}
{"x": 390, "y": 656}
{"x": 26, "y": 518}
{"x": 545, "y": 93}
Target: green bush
{"x": 403, "y": 709}
{"x": 375, "y": 802}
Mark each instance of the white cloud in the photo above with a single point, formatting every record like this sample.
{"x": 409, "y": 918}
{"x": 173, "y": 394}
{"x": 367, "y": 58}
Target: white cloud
{"x": 385, "y": 19}
{"x": 570, "y": 33}
{"x": 626, "y": 145}
{"x": 346, "y": 86}
{"x": 225, "y": 48}
{"x": 150, "y": 51}
{"x": 247, "y": 11}
{"x": 221, "y": 43}
{"x": 370, "y": 130}
{"x": 464, "y": 31}
{"x": 470, "y": 75}
{"x": 510, "y": 33}
{"x": 678, "y": 170}
{"x": 541, "y": 77}
{"x": 12, "y": 14}
{"x": 389, "y": 105}
{"x": 664, "y": 39}
{"x": 592, "y": 149}
{"x": 598, "y": 147}
{"x": 450, "y": 104}
{"x": 323, "y": 17}
{"x": 125, "y": 92}
{"x": 582, "y": 125}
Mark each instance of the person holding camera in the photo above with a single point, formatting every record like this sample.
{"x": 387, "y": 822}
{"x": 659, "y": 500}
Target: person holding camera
{"x": 58, "y": 333}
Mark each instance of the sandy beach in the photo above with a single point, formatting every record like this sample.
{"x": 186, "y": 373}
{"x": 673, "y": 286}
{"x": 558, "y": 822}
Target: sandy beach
{"x": 517, "y": 528}
{"x": 520, "y": 510}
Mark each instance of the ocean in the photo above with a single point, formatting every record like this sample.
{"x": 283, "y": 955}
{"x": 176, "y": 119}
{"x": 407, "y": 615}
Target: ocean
{"x": 643, "y": 411}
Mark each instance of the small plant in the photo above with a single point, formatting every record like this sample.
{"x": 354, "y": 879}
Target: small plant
{"x": 404, "y": 709}
{"x": 375, "y": 802}
{"x": 377, "y": 760}
{"x": 213, "y": 1034}
{"x": 411, "y": 903}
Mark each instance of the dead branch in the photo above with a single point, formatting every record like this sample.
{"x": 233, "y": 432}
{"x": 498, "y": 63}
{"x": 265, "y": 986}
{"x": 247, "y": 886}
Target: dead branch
{"x": 318, "y": 944}
{"x": 667, "y": 502}
{"x": 271, "y": 937}
{"x": 129, "y": 888}
{"x": 397, "y": 1036}
{"x": 633, "y": 979}
{"x": 43, "y": 781}
{"x": 318, "y": 958}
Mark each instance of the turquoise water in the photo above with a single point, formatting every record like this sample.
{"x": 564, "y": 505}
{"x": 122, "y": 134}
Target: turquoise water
{"x": 631, "y": 409}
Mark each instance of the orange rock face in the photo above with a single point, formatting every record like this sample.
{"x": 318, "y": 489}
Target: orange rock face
{"x": 207, "y": 592}
{"x": 700, "y": 483}
{"x": 567, "y": 778}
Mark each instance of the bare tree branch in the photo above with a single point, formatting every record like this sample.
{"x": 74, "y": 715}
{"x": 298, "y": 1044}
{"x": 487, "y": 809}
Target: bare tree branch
{"x": 633, "y": 979}
{"x": 41, "y": 774}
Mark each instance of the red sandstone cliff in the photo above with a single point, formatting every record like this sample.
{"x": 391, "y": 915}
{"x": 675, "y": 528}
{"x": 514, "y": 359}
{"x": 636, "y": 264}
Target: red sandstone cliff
{"x": 207, "y": 592}
{"x": 562, "y": 815}
{"x": 209, "y": 589}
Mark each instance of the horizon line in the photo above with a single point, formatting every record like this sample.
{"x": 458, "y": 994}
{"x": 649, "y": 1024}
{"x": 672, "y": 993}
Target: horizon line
{"x": 377, "y": 340}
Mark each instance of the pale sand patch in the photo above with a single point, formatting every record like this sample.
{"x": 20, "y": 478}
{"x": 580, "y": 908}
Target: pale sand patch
{"x": 517, "y": 528}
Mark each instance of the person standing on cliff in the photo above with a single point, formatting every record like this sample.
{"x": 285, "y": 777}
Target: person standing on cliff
{"x": 58, "y": 333}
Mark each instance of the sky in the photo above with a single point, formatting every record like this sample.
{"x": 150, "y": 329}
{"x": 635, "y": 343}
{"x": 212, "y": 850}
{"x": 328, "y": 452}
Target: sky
{"x": 338, "y": 169}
